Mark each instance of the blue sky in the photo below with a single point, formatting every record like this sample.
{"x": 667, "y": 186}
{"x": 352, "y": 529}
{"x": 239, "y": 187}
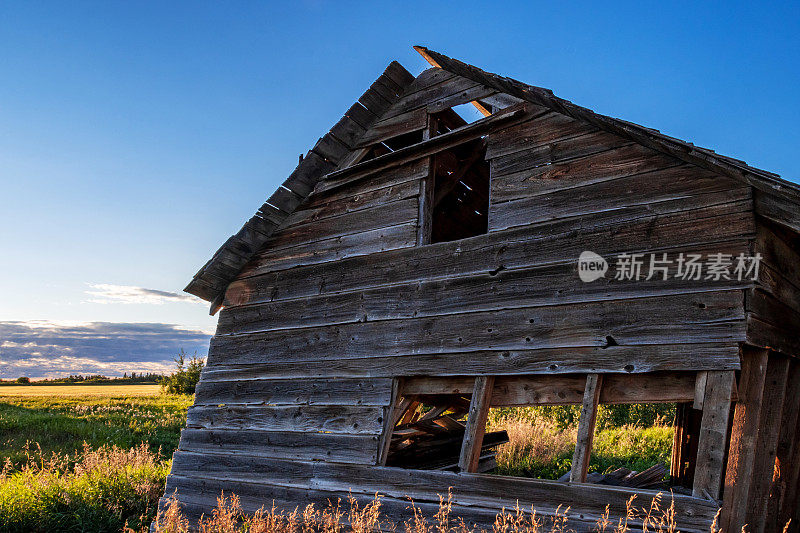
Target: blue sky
{"x": 136, "y": 137}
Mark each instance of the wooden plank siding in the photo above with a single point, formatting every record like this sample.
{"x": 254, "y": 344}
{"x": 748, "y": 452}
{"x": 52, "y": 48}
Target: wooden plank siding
{"x": 261, "y": 480}
{"x": 341, "y": 301}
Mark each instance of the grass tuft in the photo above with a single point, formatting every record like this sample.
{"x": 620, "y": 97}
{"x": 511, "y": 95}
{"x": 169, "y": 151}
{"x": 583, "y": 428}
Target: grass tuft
{"x": 103, "y": 489}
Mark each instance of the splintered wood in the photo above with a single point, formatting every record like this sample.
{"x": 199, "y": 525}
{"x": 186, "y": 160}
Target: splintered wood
{"x": 432, "y": 439}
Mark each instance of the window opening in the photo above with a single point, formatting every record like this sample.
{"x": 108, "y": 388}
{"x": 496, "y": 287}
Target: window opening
{"x": 460, "y": 199}
{"x": 532, "y": 425}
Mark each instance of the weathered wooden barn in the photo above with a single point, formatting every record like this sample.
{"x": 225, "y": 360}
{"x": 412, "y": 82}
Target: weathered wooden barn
{"x": 417, "y": 259}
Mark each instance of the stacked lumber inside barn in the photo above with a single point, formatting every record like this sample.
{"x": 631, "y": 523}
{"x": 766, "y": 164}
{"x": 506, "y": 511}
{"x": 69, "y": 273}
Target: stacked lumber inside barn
{"x": 432, "y": 440}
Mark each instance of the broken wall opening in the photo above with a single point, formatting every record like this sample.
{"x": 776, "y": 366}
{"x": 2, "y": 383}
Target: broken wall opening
{"x": 632, "y": 443}
{"x": 463, "y": 424}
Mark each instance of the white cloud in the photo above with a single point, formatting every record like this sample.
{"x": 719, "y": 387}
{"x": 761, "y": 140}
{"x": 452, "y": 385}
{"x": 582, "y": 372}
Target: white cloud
{"x": 39, "y": 349}
{"x": 104, "y": 293}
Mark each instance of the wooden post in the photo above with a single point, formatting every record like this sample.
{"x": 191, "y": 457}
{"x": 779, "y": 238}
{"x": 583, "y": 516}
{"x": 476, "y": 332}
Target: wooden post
{"x": 583, "y": 446}
{"x": 744, "y": 434}
{"x": 700, "y": 390}
{"x": 713, "y": 433}
{"x": 781, "y": 504}
{"x": 427, "y": 187}
{"x": 476, "y": 424}
{"x": 390, "y": 420}
{"x": 767, "y": 443}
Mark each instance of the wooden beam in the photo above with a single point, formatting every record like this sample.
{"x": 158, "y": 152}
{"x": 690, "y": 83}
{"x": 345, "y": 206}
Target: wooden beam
{"x": 744, "y": 434}
{"x": 390, "y": 420}
{"x": 684, "y": 446}
{"x": 713, "y": 434}
{"x": 452, "y": 180}
{"x": 424, "y": 53}
{"x": 409, "y": 412}
{"x": 767, "y": 444}
{"x": 425, "y": 148}
{"x": 476, "y": 424}
{"x": 700, "y": 390}
{"x": 216, "y": 305}
{"x": 781, "y": 504}
{"x": 583, "y": 446}
{"x": 427, "y": 186}
{"x": 542, "y": 389}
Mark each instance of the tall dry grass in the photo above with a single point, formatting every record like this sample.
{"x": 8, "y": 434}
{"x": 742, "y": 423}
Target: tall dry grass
{"x": 228, "y": 517}
{"x": 102, "y": 489}
{"x": 541, "y": 446}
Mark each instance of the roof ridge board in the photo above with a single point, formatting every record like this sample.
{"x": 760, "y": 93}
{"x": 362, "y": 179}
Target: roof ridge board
{"x": 212, "y": 278}
{"x": 546, "y": 97}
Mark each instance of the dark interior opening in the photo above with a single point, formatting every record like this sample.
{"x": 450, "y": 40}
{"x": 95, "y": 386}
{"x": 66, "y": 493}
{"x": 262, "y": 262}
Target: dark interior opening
{"x": 392, "y": 144}
{"x": 430, "y": 432}
{"x": 460, "y": 202}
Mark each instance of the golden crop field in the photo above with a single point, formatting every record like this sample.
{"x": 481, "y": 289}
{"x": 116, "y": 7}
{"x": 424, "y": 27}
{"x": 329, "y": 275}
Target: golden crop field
{"x": 92, "y": 391}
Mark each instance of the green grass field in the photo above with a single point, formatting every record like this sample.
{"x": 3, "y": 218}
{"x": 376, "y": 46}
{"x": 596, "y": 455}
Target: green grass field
{"x": 62, "y": 421}
{"x": 95, "y": 457}
{"x": 85, "y": 457}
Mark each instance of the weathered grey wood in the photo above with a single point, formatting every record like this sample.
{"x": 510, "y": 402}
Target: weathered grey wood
{"x": 330, "y": 148}
{"x": 776, "y": 284}
{"x": 777, "y": 253}
{"x": 433, "y": 88}
{"x": 390, "y": 214}
{"x": 787, "y": 468}
{"x": 719, "y": 318}
{"x": 311, "y": 446}
{"x": 295, "y": 392}
{"x": 700, "y": 390}
{"x": 679, "y": 183}
{"x": 508, "y": 288}
{"x": 786, "y": 192}
{"x": 425, "y": 199}
{"x": 393, "y": 126}
{"x": 469, "y": 490}
{"x": 333, "y": 192}
{"x": 568, "y": 389}
{"x": 744, "y": 434}
{"x": 583, "y": 446}
{"x": 778, "y": 209}
{"x": 391, "y": 417}
{"x": 615, "y": 359}
{"x": 713, "y": 439}
{"x": 425, "y": 148}
{"x": 476, "y": 424}
{"x": 333, "y": 419}
{"x": 767, "y": 443}
{"x": 628, "y": 160}
{"x": 200, "y": 497}
{"x": 320, "y": 207}
{"x": 604, "y": 233}
{"x": 348, "y": 132}
{"x": 544, "y": 127}
{"x": 340, "y": 247}
{"x": 771, "y": 324}
{"x": 477, "y": 92}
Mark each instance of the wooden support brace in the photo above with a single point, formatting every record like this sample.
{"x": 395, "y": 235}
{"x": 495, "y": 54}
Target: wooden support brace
{"x": 393, "y": 413}
{"x": 787, "y": 470}
{"x": 744, "y": 434}
{"x": 583, "y": 446}
{"x": 767, "y": 443}
{"x": 700, "y": 390}
{"x": 476, "y": 424}
{"x": 713, "y": 433}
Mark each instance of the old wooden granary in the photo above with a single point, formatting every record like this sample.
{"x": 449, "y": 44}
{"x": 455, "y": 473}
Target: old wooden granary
{"x": 415, "y": 258}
